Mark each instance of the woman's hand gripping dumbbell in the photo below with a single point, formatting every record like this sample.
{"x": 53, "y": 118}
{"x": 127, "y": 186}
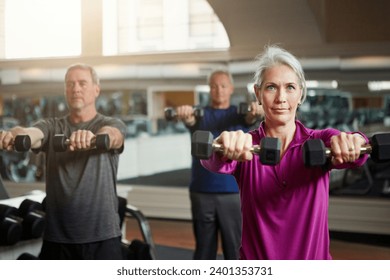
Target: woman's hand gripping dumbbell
{"x": 235, "y": 145}
{"x": 316, "y": 154}
{"x": 81, "y": 140}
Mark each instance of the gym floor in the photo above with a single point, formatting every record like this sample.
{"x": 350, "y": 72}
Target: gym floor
{"x": 178, "y": 234}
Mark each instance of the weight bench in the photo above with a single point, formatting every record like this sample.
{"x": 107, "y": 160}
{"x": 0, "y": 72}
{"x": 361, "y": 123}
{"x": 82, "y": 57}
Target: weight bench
{"x": 127, "y": 210}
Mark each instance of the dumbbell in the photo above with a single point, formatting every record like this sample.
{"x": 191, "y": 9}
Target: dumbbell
{"x": 11, "y": 227}
{"x": 21, "y": 143}
{"x": 33, "y": 218}
{"x": 100, "y": 142}
{"x": 203, "y": 145}
{"x": 170, "y": 113}
{"x": 315, "y": 153}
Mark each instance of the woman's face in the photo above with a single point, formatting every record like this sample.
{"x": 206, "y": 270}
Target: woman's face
{"x": 280, "y": 94}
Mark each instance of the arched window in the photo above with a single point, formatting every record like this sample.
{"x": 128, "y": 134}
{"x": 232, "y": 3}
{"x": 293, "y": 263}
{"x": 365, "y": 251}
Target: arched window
{"x": 133, "y": 26}
{"x": 41, "y": 28}
{"x": 54, "y": 28}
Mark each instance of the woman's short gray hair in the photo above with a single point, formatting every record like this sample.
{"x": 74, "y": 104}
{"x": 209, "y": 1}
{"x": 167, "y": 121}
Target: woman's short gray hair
{"x": 274, "y": 55}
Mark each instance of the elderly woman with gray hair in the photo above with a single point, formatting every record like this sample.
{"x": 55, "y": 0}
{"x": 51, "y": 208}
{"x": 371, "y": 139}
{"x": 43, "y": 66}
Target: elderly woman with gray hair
{"x": 284, "y": 207}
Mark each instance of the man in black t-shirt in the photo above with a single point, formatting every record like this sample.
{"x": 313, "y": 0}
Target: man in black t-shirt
{"x": 82, "y": 219}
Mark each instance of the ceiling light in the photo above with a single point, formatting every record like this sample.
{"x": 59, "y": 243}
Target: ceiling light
{"x": 378, "y": 85}
{"x": 321, "y": 84}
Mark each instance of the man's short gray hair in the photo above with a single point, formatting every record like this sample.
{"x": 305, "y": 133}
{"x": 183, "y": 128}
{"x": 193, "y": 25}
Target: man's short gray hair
{"x": 95, "y": 77}
{"x": 218, "y": 72}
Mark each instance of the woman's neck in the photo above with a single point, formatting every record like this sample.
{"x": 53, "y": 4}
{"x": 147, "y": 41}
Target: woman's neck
{"x": 285, "y": 133}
